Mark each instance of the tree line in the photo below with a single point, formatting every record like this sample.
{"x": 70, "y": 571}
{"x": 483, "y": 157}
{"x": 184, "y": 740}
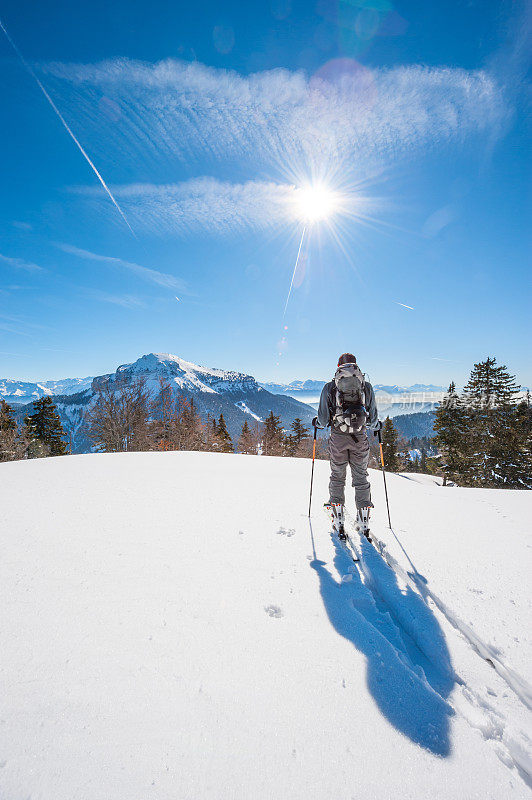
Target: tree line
{"x": 483, "y": 434}
{"x": 125, "y": 418}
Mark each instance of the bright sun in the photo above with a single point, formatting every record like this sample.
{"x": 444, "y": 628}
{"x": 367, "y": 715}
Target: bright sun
{"x": 315, "y": 202}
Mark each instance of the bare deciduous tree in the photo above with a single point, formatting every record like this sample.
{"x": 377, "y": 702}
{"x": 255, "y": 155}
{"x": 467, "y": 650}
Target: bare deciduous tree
{"x": 119, "y": 420}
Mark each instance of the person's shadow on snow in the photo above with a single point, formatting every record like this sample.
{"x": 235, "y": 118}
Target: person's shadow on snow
{"x": 409, "y": 672}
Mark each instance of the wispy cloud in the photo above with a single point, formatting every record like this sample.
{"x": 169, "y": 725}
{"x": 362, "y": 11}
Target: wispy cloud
{"x": 147, "y": 274}
{"x": 22, "y": 226}
{"x": 125, "y": 300}
{"x": 397, "y": 303}
{"x": 20, "y": 263}
{"x": 19, "y": 325}
{"x": 204, "y": 204}
{"x": 352, "y": 116}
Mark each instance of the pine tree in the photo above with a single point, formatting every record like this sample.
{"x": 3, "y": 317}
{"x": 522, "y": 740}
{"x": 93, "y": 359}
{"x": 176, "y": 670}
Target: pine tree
{"x": 246, "y": 443}
{"x": 297, "y": 443}
{"x": 11, "y": 444}
{"x": 44, "y": 431}
{"x": 494, "y": 452}
{"x": 389, "y": 446}
{"x": 450, "y": 427}
{"x": 226, "y": 444}
{"x": 523, "y": 437}
{"x": 273, "y": 439}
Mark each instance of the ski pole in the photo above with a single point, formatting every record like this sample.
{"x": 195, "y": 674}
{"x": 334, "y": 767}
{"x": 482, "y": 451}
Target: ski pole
{"x": 384, "y": 477}
{"x": 312, "y": 472}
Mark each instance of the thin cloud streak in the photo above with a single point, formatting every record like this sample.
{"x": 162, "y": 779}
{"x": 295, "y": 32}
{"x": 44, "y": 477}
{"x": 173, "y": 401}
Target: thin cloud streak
{"x": 20, "y": 263}
{"x": 147, "y": 274}
{"x": 397, "y": 303}
{"x": 203, "y": 204}
{"x": 15, "y": 324}
{"x": 301, "y": 126}
{"x": 125, "y": 301}
{"x": 65, "y": 125}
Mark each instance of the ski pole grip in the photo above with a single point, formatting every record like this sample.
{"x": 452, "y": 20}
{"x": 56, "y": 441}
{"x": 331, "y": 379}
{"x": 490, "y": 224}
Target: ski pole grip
{"x": 379, "y": 435}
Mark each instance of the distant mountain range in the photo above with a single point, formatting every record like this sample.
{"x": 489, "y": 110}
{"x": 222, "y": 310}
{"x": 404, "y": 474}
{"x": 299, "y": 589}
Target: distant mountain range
{"x": 316, "y": 386}
{"x": 239, "y": 397}
{"x": 392, "y": 401}
{"x": 23, "y": 392}
{"x": 215, "y": 391}
{"x": 410, "y": 425}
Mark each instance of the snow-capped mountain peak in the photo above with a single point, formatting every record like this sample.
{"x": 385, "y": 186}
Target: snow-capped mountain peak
{"x": 214, "y": 391}
{"x": 185, "y": 374}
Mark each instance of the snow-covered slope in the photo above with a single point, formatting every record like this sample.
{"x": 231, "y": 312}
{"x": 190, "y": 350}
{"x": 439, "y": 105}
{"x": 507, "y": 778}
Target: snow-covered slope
{"x": 173, "y": 627}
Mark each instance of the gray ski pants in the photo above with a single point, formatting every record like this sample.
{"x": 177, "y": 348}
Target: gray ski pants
{"x": 343, "y": 450}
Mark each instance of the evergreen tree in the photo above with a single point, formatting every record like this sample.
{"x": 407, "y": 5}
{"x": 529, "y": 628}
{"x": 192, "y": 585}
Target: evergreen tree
{"x": 44, "y": 431}
{"x": 273, "y": 439}
{"x": 298, "y": 441}
{"x": 11, "y": 445}
{"x": 246, "y": 443}
{"x": 494, "y": 451}
{"x": 389, "y": 446}
{"x": 226, "y": 444}
{"x": 523, "y": 437}
{"x": 450, "y": 427}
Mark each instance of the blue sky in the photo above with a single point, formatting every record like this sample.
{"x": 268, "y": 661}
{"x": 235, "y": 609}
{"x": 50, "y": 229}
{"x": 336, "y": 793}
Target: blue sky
{"x": 203, "y": 121}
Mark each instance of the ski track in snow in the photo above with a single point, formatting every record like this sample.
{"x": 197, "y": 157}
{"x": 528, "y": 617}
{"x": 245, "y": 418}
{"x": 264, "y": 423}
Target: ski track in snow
{"x": 381, "y": 574}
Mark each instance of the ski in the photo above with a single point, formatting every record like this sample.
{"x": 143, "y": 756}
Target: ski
{"x": 335, "y": 512}
{"x": 363, "y": 531}
{"x": 362, "y": 523}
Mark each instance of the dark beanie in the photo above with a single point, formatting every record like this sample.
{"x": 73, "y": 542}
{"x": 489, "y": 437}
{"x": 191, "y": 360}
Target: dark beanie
{"x": 347, "y": 358}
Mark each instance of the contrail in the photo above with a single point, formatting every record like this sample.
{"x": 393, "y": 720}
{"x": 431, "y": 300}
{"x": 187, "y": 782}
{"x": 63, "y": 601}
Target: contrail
{"x": 84, "y": 154}
{"x": 294, "y": 272}
{"x": 403, "y": 304}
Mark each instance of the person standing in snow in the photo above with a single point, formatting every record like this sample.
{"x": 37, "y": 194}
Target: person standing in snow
{"x": 347, "y": 406}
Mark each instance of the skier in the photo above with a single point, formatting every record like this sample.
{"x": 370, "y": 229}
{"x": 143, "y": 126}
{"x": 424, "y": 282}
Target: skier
{"x": 347, "y": 405}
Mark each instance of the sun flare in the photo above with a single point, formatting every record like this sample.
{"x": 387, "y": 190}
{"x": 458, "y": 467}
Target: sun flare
{"x": 315, "y": 203}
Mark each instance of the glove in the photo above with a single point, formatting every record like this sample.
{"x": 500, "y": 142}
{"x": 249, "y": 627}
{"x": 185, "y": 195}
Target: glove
{"x": 378, "y": 427}
{"x": 315, "y": 423}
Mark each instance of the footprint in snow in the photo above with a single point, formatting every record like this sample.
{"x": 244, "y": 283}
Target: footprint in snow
{"x": 286, "y": 532}
{"x": 274, "y": 611}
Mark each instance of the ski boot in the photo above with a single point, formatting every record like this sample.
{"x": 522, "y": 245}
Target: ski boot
{"x": 336, "y": 512}
{"x": 362, "y": 521}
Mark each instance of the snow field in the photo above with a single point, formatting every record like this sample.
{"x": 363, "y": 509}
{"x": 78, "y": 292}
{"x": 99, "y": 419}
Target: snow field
{"x": 167, "y": 632}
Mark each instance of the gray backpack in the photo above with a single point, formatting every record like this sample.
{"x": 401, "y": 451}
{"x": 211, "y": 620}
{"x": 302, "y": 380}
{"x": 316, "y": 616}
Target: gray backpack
{"x": 349, "y": 412}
